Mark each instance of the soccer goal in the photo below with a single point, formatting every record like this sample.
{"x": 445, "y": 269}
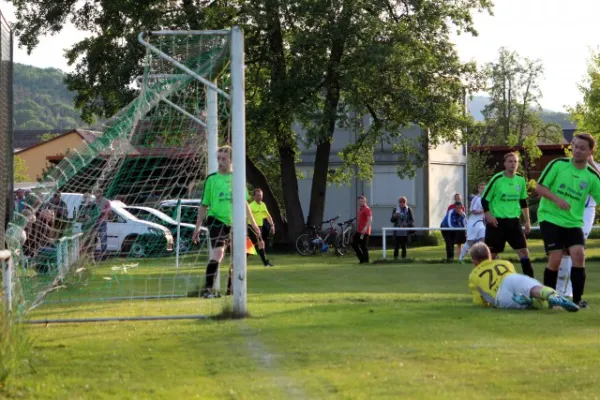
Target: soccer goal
{"x": 108, "y": 232}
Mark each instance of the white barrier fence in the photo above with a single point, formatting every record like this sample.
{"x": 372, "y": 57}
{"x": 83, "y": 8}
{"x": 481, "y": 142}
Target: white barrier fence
{"x": 385, "y": 230}
{"x": 7, "y": 270}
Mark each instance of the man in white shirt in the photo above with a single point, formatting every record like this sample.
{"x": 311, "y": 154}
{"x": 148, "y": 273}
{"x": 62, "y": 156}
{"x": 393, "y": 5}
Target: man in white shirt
{"x": 475, "y": 222}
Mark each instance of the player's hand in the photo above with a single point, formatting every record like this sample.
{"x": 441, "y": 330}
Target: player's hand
{"x": 273, "y": 229}
{"x": 562, "y": 204}
{"x": 491, "y": 220}
{"x": 527, "y": 229}
{"x": 195, "y": 236}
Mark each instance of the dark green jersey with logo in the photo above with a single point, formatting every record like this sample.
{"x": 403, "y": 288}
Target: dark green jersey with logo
{"x": 572, "y": 185}
{"x": 504, "y": 195}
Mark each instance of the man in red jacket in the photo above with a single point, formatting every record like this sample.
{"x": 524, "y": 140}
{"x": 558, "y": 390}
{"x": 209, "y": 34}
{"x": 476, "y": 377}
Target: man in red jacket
{"x": 363, "y": 231}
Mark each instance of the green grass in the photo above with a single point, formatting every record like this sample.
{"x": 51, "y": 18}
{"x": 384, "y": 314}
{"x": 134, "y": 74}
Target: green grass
{"x": 324, "y": 327}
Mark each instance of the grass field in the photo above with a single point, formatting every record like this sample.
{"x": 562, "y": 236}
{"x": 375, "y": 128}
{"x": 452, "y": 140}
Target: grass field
{"x": 324, "y": 327}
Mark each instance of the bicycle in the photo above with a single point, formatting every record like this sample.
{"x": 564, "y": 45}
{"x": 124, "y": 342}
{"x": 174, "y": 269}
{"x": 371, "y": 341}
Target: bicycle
{"x": 308, "y": 243}
{"x": 344, "y": 238}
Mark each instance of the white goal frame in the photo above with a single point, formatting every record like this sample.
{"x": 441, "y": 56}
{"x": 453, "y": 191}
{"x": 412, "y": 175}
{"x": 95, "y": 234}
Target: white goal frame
{"x": 238, "y": 143}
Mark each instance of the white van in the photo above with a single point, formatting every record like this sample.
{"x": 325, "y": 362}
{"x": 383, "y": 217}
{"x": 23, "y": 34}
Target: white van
{"x": 125, "y": 231}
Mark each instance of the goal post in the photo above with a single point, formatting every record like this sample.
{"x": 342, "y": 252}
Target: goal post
{"x": 154, "y": 153}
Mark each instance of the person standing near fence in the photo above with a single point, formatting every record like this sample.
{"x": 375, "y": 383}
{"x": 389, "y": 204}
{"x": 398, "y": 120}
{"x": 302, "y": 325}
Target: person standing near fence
{"x": 104, "y": 206}
{"x": 503, "y": 200}
{"x": 363, "y": 231}
{"x": 454, "y": 218}
{"x": 402, "y": 217}
{"x": 475, "y": 222}
{"x": 564, "y": 285}
{"x": 260, "y": 214}
{"x": 564, "y": 186}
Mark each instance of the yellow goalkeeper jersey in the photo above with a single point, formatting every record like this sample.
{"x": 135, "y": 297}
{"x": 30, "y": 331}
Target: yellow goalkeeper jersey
{"x": 485, "y": 280}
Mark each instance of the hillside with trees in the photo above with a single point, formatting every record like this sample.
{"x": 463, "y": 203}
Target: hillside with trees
{"x": 42, "y": 100}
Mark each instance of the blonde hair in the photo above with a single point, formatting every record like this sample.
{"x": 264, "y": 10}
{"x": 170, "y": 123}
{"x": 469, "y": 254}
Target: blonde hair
{"x": 480, "y": 252}
{"x": 225, "y": 149}
{"x": 512, "y": 153}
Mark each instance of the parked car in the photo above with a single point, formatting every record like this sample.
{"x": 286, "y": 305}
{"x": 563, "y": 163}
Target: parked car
{"x": 126, "y": 233}
{"x": 189, "y": 209}
{"x": 158, "y": 217}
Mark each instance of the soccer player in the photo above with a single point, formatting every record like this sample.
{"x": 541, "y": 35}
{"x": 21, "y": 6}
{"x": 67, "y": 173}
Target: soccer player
{"x": 504, "y": 198}
{"x": 475, "y": 222}
{"x": 496, "y": 283}
{"x": 218, "y": 201}
{"x": 564, "y": 187}
{"x": 260, "y": 214}
{"x": 564, "y": 286}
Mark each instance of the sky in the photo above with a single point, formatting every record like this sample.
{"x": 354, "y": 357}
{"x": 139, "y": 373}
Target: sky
{"x": 560, "y": 35}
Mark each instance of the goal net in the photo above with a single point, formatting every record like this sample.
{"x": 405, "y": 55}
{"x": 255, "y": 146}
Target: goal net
{"x": 113, "y": 222}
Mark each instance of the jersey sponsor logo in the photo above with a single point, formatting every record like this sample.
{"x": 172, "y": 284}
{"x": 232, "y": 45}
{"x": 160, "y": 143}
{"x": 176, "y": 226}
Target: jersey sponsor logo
{"x": 518, "y": 188}
{"x": 583, "y": 185}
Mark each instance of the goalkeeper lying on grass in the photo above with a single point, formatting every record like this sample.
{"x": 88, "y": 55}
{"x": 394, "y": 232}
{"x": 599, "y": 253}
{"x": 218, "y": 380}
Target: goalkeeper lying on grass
{"x": 496, "y": 283}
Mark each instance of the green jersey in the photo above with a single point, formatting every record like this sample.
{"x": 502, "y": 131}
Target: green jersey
{"x": 572, "y": 185}
{"x": 504, "y": 195}
{"x": 218, "y": 197}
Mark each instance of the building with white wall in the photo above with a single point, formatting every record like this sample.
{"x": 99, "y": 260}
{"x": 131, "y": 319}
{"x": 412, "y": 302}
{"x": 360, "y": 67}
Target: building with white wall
{"x": 428, "y": 194}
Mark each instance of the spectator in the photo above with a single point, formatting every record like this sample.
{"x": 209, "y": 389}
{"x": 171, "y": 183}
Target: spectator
{"x": 88, "y": 215}
{"x": 20, "y": 201}
{"x": 455, "y": 218}
{"x": 57, "y": 215}
{"x": 402, "y": 217}
{"x": 104, "y": 211}
{"x": 363, "y": 231}
{"x": 457, "y": 199}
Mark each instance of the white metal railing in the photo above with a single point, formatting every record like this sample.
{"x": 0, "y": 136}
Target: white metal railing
{"x": 384, "y": 231}
{"x": 7, "y": 270}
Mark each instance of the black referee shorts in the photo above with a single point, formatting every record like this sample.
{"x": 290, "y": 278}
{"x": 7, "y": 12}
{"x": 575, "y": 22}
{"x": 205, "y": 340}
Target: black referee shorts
{"x": 508, "y": 230}
{"x": 559, "y": 238}
{"x": 254, "y": 238}
{"x": 218, "y": 232}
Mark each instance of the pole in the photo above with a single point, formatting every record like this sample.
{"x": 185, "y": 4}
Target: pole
{"x": 178, "y": 233}
{"x": 212, "y": 144}
{"x": 6, "y": 258}
{"x": 383, "y": 243}
{"x": 238, "y": 133}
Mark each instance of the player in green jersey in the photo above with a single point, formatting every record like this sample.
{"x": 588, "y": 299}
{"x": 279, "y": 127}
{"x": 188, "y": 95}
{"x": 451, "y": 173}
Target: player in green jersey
{"x": 564, "y": 187}
{"x": 217, "y": 206}
{"x": 504, "y": 200}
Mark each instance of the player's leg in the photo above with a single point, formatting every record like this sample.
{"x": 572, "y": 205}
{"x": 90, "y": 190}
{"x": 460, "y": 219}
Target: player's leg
{"x": 460, "y": 238}
{"x": 552, "y": 297}
{"x": 554, "y": 246}
{"x": 575, "y": 242}
{"x": 403, "y": 243}
{"x": 563, "y": 285}
{"x": 396, "y": 244}
{"x": 449, "y": 241}
{"x": 465, "y": 249}
{"x": 365, "y": 249}
{"x": 258, "y": 244}
{"x": 514, "y": 235}
{"x": 218, "y": 234}
{"x": 494, "y": 238}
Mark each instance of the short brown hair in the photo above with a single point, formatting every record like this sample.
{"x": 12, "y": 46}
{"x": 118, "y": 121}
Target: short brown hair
{"x": 225, "y": 149}
{"x": 257, "y": 190}
{"x": 588, "y": 138}
{"x": 362, "y": 197}
{"x": 512, "y": 153}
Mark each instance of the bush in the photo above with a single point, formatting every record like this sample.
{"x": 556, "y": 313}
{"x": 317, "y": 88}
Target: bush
{"x": 431, "y": 238}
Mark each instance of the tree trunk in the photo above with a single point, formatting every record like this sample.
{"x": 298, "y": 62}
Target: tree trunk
{"x": 319, "y": 185}
{"x": 289, "y": 182}
{"x": 256, "y": 177}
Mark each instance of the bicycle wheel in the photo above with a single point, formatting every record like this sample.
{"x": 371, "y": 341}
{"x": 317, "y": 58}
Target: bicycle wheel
{"x": 305, "y": 246}
{"x": 340, "y": 248}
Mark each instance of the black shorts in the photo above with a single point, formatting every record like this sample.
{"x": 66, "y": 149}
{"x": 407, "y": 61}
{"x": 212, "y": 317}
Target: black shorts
{"x": 508, "y": 230}
{"x": 559, "y": 238}
{"x": 218, "y": 232}
{"x": 254, "y": 238}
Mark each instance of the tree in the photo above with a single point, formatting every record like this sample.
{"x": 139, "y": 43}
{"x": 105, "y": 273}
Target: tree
{"x": 586, "y": 114}
{"x": 318, "y": 63}
{"x": 20, "y": 170}
{"x": 479, "y": 169}
{"x": 514, "y": 115}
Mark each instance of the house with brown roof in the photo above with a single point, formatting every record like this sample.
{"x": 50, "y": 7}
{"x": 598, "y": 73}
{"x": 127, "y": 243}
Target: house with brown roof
{"x": 43, "y": 154}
